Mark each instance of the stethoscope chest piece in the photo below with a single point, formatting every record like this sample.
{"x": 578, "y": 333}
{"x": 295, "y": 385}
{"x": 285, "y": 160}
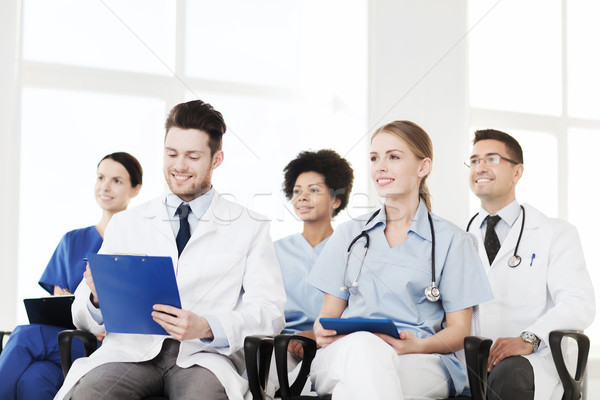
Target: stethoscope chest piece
{"x": 432, "y": 292}
{"x": 514, "y": 261}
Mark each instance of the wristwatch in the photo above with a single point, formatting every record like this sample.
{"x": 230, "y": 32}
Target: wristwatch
{"x": 531, "y": 338}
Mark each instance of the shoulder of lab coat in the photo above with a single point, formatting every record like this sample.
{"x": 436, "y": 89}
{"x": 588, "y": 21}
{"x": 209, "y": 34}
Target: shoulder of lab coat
{"x": 259, "y": 310}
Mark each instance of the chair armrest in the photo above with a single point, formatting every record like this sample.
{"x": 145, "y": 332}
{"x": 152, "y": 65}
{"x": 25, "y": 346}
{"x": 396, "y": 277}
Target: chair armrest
{"x": 258, "y": 351}
{"x": 281, "y": 346}
{"x": 2, "y": 334}
{"x": 477, "y": 352}
{"x": 65, "y": 340}
{"x": 571, "y": 385}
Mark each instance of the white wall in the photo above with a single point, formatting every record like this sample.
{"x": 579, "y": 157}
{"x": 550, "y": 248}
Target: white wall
{"x": 417, "y": 71}
{"x": 9, "y": 161}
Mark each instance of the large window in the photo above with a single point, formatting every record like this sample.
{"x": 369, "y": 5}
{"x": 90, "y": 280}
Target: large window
{"x": 99, "y": 77}
{"x": 534, "y": 74}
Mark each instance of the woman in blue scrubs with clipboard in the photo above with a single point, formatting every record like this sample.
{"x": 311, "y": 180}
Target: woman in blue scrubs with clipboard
{"x": 405, "y": 264}
{"x": 30, "y": 363}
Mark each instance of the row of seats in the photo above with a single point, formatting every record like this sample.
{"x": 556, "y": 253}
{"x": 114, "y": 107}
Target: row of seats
{"x": 259, "y": 349}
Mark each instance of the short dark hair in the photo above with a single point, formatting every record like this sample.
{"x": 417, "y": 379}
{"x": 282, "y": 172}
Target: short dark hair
{"x": 515, "y": 152}
{"x": 336, "y": 170}
{"x": 131, "y": 164}
{"x": 199, "y": 115}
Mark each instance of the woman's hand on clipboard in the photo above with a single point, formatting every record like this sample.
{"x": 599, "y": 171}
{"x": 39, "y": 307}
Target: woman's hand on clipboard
{"x": 408, "y": 343}
{"x": 333, "y": 307}
{"x": 324, "y": 337}
{"x": 87, "y": 275}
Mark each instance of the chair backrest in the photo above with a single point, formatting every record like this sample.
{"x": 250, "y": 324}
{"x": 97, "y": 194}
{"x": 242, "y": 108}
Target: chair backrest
{"x": 258, "y": 351}
{"x": 477, "y": 351}
{"x": 2, "y": 334}
{"x": 572, "y": 384}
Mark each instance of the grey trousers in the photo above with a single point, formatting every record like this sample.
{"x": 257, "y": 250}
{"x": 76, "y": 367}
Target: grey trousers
{"x": 157, "y": 377}
{"x": 511, "y": 379}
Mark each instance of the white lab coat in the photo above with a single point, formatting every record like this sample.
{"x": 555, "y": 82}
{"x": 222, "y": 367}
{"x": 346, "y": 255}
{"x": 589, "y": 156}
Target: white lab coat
{"x": 227, "y": 270}
{"x": 548, "y": 291}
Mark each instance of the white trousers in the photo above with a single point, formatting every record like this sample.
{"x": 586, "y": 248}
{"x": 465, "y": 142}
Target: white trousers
{"x": 362, "y": 366}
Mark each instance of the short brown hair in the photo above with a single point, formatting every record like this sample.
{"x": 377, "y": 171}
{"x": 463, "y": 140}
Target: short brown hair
{"x": 515, "y": 152}
{"x": 198, "y": 115}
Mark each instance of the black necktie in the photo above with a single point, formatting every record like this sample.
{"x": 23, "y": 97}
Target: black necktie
{"x": 491, "y": 242}
{"x": 184, "y": 226}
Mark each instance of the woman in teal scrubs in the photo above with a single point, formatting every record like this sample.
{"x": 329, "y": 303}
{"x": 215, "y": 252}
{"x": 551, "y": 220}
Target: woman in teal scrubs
{"x": 30, "y": 364}
{"x": 318, "y": 184}
{"x": 391, "y": 281}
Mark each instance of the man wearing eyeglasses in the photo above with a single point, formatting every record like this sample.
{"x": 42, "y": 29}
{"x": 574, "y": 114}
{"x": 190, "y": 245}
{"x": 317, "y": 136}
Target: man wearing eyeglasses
{"x": 536, "y": 268}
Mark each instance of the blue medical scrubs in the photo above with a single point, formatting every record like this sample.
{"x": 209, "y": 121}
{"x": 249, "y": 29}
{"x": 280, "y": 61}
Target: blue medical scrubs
{"x": 392, "y": 281}
{"x": 297, "y": 257}
{"x": 30, "y": 363}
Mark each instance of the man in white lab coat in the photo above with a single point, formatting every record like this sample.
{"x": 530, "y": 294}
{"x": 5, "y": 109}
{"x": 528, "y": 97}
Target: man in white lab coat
{"x": 549, "y": 289}
{"x": 227, "y": 273}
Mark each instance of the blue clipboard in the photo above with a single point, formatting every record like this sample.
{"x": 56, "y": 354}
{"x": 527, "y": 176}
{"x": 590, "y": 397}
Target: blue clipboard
{"x": 128, "y": 287}
{"x": 349, "y": 325}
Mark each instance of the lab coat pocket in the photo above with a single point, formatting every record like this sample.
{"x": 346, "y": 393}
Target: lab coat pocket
{"x": 217, "y": 281}
{"x": 527, "y": 282}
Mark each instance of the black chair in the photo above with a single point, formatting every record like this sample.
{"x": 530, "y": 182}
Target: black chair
{"x": 572, "y": 385}
{"x": 65, "y": 342}
{"x": 90, "y": 344}
{"x": 258, "y": 358}
{"x": 2, "y": 334}
{"x": 258, "y": 351}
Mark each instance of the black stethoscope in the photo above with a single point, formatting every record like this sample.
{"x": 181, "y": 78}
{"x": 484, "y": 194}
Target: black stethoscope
{"x": 432, "y": 292}
{"x": 515, "y": 260}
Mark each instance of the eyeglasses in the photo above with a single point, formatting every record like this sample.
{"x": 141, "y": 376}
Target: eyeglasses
{"x": 490, "y": 159}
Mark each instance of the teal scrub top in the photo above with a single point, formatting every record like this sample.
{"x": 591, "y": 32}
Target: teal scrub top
{"x": 296, "y": 258}
{"x": 392, "y": 281}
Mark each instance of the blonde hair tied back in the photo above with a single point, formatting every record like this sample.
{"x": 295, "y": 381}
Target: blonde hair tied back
{"x": 418, "y": 142}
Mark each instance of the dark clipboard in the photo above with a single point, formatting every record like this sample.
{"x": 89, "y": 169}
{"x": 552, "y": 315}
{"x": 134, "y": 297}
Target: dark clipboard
{"x": 50, "y": 310}
{"x": 349, "y": 325}
{"x": 128, "y": 286}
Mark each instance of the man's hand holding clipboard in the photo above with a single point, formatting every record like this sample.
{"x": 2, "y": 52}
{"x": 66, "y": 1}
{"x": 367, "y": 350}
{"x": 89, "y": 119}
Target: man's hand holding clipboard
{"x": 139, "y": 294}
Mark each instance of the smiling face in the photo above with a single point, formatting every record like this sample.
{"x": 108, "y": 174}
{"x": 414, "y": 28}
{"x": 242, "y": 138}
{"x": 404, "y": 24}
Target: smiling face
{"x": 188, "y": 164}
{"x": 395, "y": 170}
{"x": 113, "y": 186}
{"x": 312, "y": 198}
{"x": 494, "y": 185}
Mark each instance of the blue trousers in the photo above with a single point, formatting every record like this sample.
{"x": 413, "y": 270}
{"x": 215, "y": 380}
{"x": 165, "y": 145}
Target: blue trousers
{"x": 30, "y": 363}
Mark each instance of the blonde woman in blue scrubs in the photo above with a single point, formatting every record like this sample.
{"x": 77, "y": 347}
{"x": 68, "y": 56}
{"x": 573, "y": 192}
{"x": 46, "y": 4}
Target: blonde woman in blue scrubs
{"x": 318, "y": 184}
{"x": 391, "y": 284}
